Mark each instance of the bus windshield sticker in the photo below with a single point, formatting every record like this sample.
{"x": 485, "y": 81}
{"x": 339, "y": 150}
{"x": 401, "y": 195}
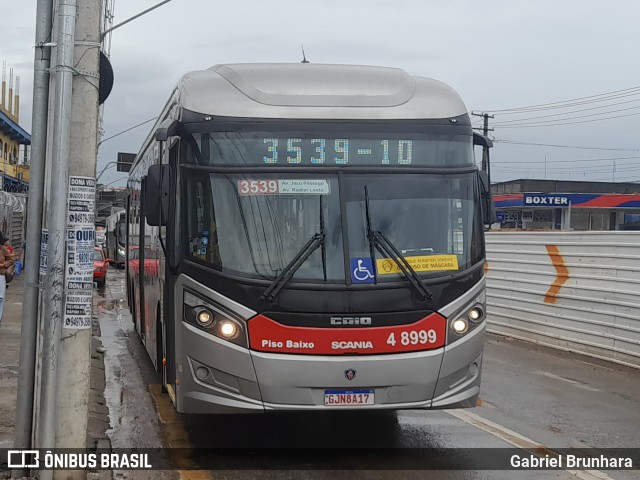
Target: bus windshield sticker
{"x": 198, "y": 246}
{"x": 362, "y": 270}
{"x": 310, "y": 186}
{"x": 429, "y": 263}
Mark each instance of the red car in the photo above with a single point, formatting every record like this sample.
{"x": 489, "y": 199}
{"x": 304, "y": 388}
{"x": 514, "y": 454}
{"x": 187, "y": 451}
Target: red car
{"x": 100, "y": 266}
{"x": 150, "y": 264}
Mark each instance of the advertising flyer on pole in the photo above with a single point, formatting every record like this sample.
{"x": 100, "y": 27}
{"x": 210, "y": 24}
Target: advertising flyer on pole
{"x": 81, "y": 234}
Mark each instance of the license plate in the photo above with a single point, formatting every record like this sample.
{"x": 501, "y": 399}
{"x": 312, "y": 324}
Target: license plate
{"x": 340, "y": 398}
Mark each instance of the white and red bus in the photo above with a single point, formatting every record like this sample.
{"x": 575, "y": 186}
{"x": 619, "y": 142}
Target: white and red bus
{"x": 317, "y": 236}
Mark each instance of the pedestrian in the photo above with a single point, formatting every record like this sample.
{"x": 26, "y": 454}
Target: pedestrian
{"x": 7, "y": 244}
{"x": 6, "y": 261}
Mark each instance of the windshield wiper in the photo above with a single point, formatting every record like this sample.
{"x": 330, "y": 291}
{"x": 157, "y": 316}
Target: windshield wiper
{"x": 379, "y": 241}
{"x": 316, "y": 240}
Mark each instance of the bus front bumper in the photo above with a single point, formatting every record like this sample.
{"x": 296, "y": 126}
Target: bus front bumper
{"x": 245, "y": 381}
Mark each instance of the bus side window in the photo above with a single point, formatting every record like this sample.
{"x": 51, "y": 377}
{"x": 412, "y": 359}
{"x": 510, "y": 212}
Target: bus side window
{"x": 203, "y": 240}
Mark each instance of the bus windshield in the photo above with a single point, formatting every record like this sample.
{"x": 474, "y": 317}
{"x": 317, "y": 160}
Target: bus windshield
{"x": 253, "y": 225}
{"x": 432, "y": 220}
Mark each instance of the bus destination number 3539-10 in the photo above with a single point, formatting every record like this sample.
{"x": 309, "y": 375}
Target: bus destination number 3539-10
{"x": 339, "y": 151}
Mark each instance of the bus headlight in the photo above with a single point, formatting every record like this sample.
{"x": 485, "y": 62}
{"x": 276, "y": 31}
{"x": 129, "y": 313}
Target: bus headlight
{"x": 467, "y": 319}
{"x": 204, "y": 318}
{"x": 460, "y": 326}
{"x": 214, "y": 319}
{"x": 475, "y": 314}
{"x": 228, "y": 329}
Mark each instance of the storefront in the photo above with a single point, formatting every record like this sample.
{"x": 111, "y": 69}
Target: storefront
{"x": 568, "y": 211}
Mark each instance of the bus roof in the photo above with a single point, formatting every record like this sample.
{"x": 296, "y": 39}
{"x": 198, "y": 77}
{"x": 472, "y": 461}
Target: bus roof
{"x": 316, "y": 91}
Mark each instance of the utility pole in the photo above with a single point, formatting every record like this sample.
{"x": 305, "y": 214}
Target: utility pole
{"x": 62, "y": 73}
{"x": 486, "y": 165}
{"x": 74, "y": 363}
{"x": 63, "y": 169}
{"x": 31, "y": 296}
{"x": 63, "y": 407}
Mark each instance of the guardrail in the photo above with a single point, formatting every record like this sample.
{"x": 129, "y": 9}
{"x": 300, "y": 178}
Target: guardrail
{"x": 12, "y": 212}
{"x": 577, "y": 291}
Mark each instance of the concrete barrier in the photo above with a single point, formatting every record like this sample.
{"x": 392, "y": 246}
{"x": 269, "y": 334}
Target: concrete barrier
{"x": 578, "y": 291}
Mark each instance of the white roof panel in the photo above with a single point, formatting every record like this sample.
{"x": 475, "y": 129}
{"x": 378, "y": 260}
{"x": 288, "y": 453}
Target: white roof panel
{"x": 316, "y": 91}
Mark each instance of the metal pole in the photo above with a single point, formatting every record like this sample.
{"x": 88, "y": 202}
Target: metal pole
{"x": 486, "y": 162}
{"x": 103, "y": 170}
{"x": 56, "y": 224}
{"x": 486, "y": 166}
{"x": 134, "y": 17}
{"x": 74, "y": 358}
{"x": 30, "y": 301}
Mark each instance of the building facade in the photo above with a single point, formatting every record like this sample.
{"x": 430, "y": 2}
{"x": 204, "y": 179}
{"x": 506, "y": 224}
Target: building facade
{"x": 14, "y": 162}
{"x": 567, "y": 205}
{"x": 14, "y": 140}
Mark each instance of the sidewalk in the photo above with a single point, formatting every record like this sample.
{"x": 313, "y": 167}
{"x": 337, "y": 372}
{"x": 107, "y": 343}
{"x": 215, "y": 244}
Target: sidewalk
{"x": 9, "y": 356}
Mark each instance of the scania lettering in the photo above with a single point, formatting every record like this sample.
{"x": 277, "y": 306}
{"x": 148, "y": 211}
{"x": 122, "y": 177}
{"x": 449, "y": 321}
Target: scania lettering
{"x": 351, "y": 345}
{"x": 312, "y": 238}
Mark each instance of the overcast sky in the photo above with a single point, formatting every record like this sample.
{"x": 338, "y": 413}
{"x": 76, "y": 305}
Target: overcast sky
{"x": 498, "y": 54}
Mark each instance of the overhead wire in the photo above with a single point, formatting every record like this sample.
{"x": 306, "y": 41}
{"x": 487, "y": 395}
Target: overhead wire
{"x": 571, "y": 102}
{"x": 599, "y": 106}
{"x": 516, "y": 121}
{"x": 565, "y": 105}
{"x": 540, "y": 124}
{"x": 595, "y": 169}
{"x": 595, "y": 103}
{"x": 551, "y": 168}
{"x": 572, "y": 111}
{"x": 578, "y": 147}
{"x": 126, "y": 130}
{"x": 581, "y": 160}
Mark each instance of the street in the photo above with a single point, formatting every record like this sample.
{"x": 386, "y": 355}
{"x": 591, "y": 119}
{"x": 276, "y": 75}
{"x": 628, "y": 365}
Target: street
{"x": 532, "y": 397}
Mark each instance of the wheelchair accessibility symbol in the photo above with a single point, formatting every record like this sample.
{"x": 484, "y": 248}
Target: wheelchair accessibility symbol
{"x": 362, "y": 270}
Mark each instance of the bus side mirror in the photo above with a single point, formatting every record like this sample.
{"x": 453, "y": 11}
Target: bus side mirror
{"x": 486, "y": 200}
{"x": 481, "y": 140}
{"x": 167, "y": 129}
{"x": 156, "y": 195}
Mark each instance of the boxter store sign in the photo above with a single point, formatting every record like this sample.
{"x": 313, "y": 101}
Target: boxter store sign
{"x": 546, "y": 200}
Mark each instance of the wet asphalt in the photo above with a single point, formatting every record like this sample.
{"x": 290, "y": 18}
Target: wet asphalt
{"x": 531, "y": 397}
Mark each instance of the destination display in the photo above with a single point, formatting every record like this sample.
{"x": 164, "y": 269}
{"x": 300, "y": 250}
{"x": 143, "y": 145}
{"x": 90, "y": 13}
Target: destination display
{"x": 284, "y": 187}
{"x": 338, "y": 151}
{"x": 234, "y": 148}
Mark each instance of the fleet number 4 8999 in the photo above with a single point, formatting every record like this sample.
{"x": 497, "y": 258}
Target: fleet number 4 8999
{"x": 413, "y": 337}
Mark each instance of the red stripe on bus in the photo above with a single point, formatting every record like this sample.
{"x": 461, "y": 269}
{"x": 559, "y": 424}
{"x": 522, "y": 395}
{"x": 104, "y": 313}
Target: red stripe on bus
{"x": 267, "y": 335}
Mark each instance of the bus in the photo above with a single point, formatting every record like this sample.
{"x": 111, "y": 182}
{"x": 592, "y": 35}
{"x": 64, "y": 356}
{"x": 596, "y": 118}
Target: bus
{"x": 115, "y": 226}
{"x": 101, "y": 235}
{"x": 317, "y": 237}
